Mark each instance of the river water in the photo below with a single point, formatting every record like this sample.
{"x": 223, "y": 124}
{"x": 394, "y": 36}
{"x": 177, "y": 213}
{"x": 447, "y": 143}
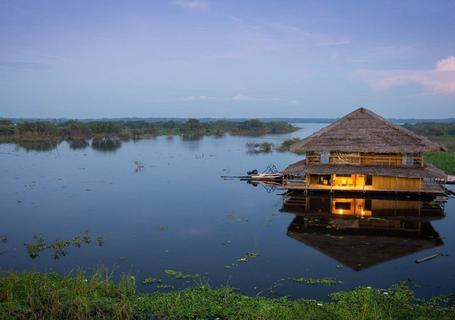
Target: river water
{"x": 160, "y": 204}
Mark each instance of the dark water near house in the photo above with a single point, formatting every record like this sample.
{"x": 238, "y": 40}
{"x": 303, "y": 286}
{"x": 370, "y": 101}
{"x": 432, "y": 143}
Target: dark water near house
{"x": 177, "y": 213}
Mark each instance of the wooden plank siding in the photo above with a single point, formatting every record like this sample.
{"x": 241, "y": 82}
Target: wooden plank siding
{"x": 368, "y": 159}
{"x": 396, "y": 183}
{"x": 357, "y": 183}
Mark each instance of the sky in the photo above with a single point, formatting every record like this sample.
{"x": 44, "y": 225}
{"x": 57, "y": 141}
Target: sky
{"x": 206, "y": 58}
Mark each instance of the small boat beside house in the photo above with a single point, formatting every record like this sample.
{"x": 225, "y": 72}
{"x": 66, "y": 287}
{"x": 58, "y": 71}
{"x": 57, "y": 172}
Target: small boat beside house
{"x": 363, "y": 152}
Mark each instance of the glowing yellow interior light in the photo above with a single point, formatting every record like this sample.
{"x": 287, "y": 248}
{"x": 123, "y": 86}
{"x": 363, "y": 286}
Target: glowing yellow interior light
{"x": 341, "y": 211}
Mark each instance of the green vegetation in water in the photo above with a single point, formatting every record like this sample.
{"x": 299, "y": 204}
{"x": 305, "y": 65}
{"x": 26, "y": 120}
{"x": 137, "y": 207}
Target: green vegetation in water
{"x": 58, "y": 246}
{"x": 51, "y": 296}
{"x": 3, "y": 238}
{"x": 151, "y": 280}
{"x": 122, "y": 258}
{"x": 255, "y": 148}
{"x": 163, "y": 228}
{"x": 442, "y": 160}
{"x": 108, "y": 134}
{"x": 286, "y": 144}
{"x": 180, "y": 275}
{"x": 248, "y": 256}
{"x": 86, "y": 237}
{"x": 326, "y": 281}
{"x": 165, "y": 286}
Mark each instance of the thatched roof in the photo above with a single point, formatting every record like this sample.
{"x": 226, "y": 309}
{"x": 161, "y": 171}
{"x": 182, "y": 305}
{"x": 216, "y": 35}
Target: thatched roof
{"x": 428, "y": 171}
{"x": 361, "y": 248}
{"x": 364, "y": 131}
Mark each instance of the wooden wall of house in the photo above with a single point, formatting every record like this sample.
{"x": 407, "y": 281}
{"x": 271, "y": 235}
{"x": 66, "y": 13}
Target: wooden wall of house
{"x": 365, "y": 159}
{"x": 392, "y": 183}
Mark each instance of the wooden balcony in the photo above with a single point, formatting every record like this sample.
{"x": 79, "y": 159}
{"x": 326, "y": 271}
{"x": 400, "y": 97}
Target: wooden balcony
{"x": 368, "y": 160}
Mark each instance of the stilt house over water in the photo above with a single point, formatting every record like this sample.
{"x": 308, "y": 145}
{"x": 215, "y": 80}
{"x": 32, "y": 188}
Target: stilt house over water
{"x": 364, "y": 152}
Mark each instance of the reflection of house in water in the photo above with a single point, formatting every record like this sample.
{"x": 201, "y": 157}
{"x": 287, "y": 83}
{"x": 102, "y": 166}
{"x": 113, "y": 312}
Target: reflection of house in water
{"x": 362, "y": 232}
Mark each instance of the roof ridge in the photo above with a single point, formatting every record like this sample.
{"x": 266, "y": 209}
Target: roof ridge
{"x": 428, "y": 144}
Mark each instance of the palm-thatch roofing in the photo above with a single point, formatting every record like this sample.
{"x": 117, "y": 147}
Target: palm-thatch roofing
{"x": 428, "y": 171}
{"x": 364, "y": 131}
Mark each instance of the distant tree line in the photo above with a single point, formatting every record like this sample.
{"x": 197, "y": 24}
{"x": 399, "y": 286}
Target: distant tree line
{"x": 137, "y": 129}
{"x": 432, "y": 128}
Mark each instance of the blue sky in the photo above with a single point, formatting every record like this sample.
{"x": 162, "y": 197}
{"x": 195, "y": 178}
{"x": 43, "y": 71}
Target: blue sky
{"x": 204, "y": 58}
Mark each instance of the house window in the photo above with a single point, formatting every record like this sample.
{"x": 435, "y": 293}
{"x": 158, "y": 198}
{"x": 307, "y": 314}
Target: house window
{"x": 325, "y": 157}
{"x": 342, "y": 206}
{"x": 369, "y": 180}
{"x": 408, "y": 159}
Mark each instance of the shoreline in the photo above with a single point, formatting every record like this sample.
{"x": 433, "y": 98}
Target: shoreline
{"x": 52, "y": 296}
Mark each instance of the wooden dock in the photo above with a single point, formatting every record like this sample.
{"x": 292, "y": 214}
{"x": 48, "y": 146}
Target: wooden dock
{"x": 450, "y": 179}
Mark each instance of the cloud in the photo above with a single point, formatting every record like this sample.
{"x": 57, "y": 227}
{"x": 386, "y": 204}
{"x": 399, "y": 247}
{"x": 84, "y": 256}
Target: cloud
{"x": 440, "y": 80}
{"x": 243, "y": 97}
{"x": 446, "y": 64}
{"x": 191, "y": 4}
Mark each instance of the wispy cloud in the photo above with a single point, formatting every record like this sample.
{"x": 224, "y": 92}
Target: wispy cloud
{"x": 192, "y": 4}
{"x": 446, "y": 64}
{"x": 244, "y": 97}
{"x": 440, "y": 80}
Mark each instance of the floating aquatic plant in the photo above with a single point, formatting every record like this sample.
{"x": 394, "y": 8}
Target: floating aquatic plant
{"x": 77, "y": 241}
{"x": 326, "y": 281}
{"x": 35, "y": 248}
{"x": 86, "y": 237}
{"x": 165, "y": 286}
{"x": 4, "y": 238}
{"x": 58, "y": 246}
{"x": 248, "y": 256}
{"x": 151, "y": 280}
{"x": 180, "y": 275}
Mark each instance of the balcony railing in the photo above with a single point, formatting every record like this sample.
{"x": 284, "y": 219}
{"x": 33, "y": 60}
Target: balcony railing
{"x": 369, "y": 160}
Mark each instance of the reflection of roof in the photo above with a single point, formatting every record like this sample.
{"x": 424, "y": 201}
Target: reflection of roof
{"x": 428, "y": 171}
{"x": 360, "y": 248}
{"x": 364, "y": 131}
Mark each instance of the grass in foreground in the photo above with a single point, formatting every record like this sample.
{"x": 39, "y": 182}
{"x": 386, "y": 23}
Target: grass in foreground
{"x": 50, "y": 296}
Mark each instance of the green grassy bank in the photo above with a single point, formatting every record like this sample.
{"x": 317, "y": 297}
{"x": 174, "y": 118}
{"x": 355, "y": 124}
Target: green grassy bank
{"x": 442, "y": 160}
{"x": 51, "y": 296}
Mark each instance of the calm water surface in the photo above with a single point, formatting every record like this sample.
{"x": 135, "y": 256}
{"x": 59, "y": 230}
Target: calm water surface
{"x": 177, "y": 213}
